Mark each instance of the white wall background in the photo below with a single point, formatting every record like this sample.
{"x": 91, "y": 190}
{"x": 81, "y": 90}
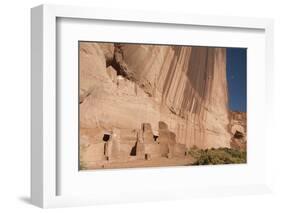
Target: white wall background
{"x": 15, "y": 104}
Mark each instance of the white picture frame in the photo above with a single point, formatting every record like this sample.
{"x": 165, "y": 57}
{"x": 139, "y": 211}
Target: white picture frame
{"x": 45, "y": 167}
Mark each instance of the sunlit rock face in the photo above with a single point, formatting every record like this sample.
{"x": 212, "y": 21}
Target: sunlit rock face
{"x": 124, "y": 85}
{"x": 238, "y": 129}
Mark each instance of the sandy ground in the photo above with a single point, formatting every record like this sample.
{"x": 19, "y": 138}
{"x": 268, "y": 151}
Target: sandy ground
{"x": 158, "y": 162}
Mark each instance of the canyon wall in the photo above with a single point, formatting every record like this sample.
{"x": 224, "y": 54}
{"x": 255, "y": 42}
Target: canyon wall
{"x": 125, "y": 85}
{"x": 238, "y": 129}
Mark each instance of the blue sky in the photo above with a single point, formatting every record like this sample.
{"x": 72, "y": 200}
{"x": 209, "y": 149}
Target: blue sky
{"x": 236, "y": 66}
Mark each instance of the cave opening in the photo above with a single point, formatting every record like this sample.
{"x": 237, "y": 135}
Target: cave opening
{"x": 238, "y": 135}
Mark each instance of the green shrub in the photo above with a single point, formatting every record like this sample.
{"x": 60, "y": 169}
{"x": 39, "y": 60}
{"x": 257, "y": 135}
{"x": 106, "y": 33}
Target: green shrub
{"x": 217, "y": 156}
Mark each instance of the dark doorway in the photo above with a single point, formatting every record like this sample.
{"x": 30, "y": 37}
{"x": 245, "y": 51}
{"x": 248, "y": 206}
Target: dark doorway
{"x": 155, "y": 137}
{"x": 106, "y": 137}
{"x": 134, "y": 150}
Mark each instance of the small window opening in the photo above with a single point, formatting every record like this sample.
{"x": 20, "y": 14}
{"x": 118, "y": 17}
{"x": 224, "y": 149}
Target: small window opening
{"x": 155, "y": 137}
{"x": 106, "y": 137}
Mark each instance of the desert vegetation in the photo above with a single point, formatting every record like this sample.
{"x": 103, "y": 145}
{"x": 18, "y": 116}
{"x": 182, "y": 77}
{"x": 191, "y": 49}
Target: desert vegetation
{"x": 217, "y": 156}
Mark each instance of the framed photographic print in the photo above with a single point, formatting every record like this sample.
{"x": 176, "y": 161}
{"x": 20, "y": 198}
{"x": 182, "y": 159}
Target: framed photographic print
{"x": 149, "y": 106}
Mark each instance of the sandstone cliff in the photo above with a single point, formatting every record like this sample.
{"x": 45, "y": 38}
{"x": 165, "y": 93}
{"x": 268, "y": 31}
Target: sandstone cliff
{"x": 238, "y": 129}
{"x": 125, "y": 85}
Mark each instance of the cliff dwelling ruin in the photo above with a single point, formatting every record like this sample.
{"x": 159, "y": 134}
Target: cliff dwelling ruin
{"x": 147, "y": 105}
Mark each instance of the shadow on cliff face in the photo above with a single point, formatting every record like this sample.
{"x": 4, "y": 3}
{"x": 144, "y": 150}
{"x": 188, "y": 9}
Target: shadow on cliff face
{"x": 201, "y": 66}
{"x": 118, "y": 63}
{"x": 238, "y": 135}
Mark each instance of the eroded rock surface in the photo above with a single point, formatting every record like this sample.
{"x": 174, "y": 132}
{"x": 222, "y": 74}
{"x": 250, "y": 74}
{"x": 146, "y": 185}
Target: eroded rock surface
{"x": 238, "y": 129}
{"x": 125, "y": 86}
